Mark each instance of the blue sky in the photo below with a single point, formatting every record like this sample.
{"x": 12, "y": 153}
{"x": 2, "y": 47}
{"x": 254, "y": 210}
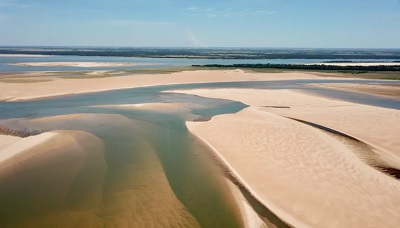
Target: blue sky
{"x": 206, "y": 23}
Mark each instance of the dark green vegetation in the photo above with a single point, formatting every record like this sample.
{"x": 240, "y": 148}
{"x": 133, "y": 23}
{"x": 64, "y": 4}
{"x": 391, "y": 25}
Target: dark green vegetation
{"x": 360, "y": 69}
{"x": 367, "y": 72}
{"x": 211, "y": 53}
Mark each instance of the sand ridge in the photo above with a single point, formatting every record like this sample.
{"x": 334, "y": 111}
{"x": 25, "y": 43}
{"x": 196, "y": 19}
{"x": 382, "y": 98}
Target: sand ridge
{"x": 273, "y": 155}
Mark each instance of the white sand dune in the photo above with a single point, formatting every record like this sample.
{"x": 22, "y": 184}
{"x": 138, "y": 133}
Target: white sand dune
{"x": 304, "y": 175}
{"x": 373, "y": 125}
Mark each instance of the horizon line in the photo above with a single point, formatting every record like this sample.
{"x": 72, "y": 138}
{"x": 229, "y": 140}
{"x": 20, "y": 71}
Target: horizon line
{"x": 188, "y": 47}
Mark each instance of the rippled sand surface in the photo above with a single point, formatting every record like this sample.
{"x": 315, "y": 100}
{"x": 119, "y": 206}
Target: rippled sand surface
{"x": 311, "y": 160}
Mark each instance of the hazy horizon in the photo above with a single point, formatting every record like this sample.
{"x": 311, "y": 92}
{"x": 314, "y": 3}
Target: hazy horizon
{"x": 369, "y": 24}
{"x": 191, "y": 47}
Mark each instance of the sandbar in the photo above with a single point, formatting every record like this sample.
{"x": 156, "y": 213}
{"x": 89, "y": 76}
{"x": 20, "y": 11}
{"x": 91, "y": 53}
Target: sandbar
{"x": 307, "y": 176}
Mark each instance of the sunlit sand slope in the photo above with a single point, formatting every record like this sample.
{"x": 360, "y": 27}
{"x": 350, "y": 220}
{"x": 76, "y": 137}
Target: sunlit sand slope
{"x": 309, "y": 174}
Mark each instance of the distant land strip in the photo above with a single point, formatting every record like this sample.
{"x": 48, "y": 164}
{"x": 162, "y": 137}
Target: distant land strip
{"x": 211, "y": 53}
{"x": 304, "y": 67}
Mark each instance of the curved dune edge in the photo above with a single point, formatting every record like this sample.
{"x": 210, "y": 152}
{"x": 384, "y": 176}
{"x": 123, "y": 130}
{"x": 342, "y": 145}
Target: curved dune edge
{"x": 11, "y": 145}
{"x": 273, "y": 155}
{"x": 372, "y": 125}
{"x": 249, "y": 216}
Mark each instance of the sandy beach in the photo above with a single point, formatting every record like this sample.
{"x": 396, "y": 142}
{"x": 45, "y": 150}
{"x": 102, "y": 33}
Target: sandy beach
{"x": 272, "y": 154}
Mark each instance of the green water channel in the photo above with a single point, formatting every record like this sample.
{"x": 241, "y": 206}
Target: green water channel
{"x": 151, "y": 173}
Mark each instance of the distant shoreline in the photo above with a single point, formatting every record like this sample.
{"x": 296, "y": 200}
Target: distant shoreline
{"x": 22, "y": 55}
{"x": 211, "y": 53}
{"x": 314, "y": 66}
{"x": 78, "y": 64}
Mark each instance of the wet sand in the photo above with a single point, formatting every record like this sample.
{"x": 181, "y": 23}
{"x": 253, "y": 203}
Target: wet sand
{"x": 272, "y": 153}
